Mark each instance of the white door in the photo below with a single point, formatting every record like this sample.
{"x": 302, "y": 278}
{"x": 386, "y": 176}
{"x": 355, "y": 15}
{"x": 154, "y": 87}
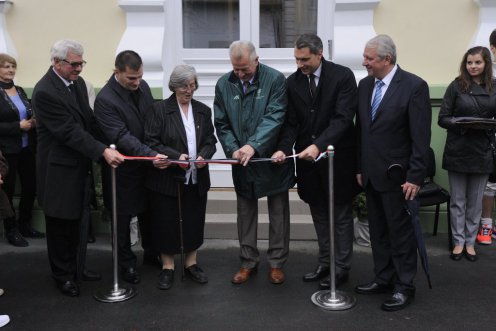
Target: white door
{"x": 199, "y": 32}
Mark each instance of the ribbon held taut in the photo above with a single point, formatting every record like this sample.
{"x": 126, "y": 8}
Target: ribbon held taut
{"x": 214, "y": 161}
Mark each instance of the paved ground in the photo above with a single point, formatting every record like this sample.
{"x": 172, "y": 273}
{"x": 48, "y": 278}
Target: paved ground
{"x": 462, "y": 297}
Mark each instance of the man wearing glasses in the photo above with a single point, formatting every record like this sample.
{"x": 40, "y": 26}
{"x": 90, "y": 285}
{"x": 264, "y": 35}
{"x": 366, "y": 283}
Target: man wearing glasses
{"x": 66, "y": 145}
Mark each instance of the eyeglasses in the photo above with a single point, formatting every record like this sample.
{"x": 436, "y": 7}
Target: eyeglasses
{"x": 75, "y": 64}
{"x": 185, "y": 88}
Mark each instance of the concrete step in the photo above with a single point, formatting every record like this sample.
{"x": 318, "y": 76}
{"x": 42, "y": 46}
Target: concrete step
{"x": 220, "y": 218}
{"x": 223, "y": 200}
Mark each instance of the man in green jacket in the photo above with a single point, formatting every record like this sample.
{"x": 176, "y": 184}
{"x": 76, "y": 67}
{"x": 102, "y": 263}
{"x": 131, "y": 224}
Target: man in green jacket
{"x": 250, "y": 107}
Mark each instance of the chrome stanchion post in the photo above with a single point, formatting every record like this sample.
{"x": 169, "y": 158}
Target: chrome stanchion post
{"x": 332, "y": 299}
{"x": 116, "y": 293}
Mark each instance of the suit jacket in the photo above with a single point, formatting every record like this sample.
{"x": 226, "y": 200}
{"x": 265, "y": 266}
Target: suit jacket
{"x": 122, "y": 124}
{"x": 327, "y": 119}
{"x": 400, "y": 133}
{"x": 165, "y": 133}
{"x": 67, "y": 142}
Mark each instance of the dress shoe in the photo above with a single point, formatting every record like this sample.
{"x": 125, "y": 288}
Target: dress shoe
{"x": 165, "y": 279}
{"x": 28, "y": 231}
{"x": 470, "y": 257}
{"x": 319, "y": 273}
{"x": 196, "y": 274}
{"x": 397, "y": 302}
{"x": 69, "y": 288}
{"x": 373, "y": 288}
{"x": 276, "y": 276}
{"x": 130, "y": 275}
{"x": 340, "y": 280}
{"x": 16, "y": 239}
{"x": 91, "y": 276}
{"x": 456, "y": 256}
{"x": 91, "y": 239}
{"x": 242, "y": 275}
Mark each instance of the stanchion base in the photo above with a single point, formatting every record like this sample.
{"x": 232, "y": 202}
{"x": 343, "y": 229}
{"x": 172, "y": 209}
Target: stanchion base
{"x": 115, "y": 295}
{"x": 340, "y": 301}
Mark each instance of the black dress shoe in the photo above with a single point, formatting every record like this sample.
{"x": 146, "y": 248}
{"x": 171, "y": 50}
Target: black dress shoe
{"x": 319, "y": 273}
{"x": 68, "y": 288}
{"x": 373, "y": 288}
{"x": 28, "y": 232}
{"x": 130, "y": 275}
{"x": 165, "y": 279}
{"x": 340, "y": 280}
{"x": 16, "y": 239}
{"x": 397, "y": 302}
{"x": 91, "y": 239}
{"x": 91, "y": 276}
{"x": 456, "y": 257}
{"x": 196, "y": 274}
{"x": 470, "y": 257}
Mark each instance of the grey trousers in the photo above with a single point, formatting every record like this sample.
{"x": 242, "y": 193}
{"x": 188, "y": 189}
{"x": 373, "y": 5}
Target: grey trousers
{"x": 277, "y": 253}
{"x": 466, "y": 192}
{"x": 343, "y": 235}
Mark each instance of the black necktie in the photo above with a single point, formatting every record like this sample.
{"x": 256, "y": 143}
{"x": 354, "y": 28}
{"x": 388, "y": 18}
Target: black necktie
{"x": 72, "y": 89}
{"x": 313, "y": 87}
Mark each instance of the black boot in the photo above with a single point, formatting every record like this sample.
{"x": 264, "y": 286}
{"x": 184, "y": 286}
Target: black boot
{"x": 15, "y": 238}
{"x": 28, "y": 231}
{"x": 12, "y": 233}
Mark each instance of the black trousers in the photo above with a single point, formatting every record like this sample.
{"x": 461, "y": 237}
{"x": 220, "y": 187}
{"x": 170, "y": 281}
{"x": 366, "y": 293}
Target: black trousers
{"x": 126, "y": 257}
{"x": 62, "y": 238}
{"x": 343, "y": 241}
{"x": 392, "y": 236}
{"x": 23, "y": 164}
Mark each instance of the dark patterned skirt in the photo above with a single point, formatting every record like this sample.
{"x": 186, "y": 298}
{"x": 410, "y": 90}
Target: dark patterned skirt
{"x": 164, "y": 214}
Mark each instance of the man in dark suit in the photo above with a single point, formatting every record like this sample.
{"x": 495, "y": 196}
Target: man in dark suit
{"x": 120, "y": 110}
{"x": 394, "y": 122}
{"x": 66, "y": 145}
{"x": 321, "y": 108}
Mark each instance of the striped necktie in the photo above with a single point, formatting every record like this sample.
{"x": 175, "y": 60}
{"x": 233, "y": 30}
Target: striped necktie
{"x": 313, "y": 86}
{"x": 377, "y": 98}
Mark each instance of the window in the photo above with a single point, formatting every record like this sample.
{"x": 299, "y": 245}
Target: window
{"x": 281, "y": 21}
{"x": 210, "y": 23}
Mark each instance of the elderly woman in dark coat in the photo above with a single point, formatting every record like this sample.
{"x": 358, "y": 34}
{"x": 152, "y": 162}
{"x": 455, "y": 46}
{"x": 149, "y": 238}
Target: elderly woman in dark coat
{"x": 467, "y": 153}
{"x": 181, "y": 128}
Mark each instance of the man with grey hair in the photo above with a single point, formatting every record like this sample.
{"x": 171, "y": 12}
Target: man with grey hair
{"x": 120, "y": 111}
{"x": 321, "y": 107}
{"x": 67, "y": 143}
{"x": 250, "y": 106}
{"x": 394, "y": 123}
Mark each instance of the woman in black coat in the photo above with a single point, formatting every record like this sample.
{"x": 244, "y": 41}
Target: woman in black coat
{"x": 17, "y": 137}
{"x": 467, "y": 153}
{"x": 181, "y": 128}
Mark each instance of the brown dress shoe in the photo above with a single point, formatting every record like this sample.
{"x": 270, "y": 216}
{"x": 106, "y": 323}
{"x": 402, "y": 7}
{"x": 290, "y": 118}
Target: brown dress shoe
{"x": 276, "y": 276}
{"x": 242, "y": 275}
